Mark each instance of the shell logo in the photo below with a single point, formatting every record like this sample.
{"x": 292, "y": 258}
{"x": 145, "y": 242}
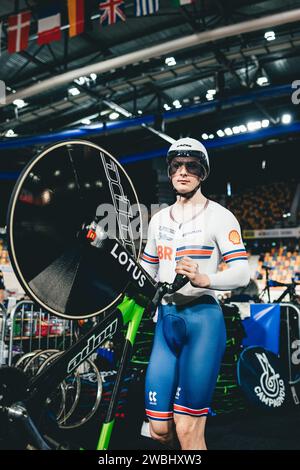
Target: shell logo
{"x": 234, "y": 237}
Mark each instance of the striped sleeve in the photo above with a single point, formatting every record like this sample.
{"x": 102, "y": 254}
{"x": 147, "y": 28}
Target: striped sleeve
{"x": 229, "y": 240}
{"x": 235, "y": 255}
{"x": 149, "y": 259}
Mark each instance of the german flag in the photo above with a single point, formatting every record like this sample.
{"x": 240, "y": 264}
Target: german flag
{"x": 76, "y": 17}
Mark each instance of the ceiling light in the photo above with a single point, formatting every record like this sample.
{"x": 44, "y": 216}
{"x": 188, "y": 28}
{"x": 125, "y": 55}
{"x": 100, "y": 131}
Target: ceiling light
{"x": 262, "y": 81}
{"x": 220, "y": 133}
{"x": 177, "y": 104}
{"x": 265, "y": 123}
{"x": 140, "y": 111}
{"x": 211, "y": 136}
{"x": 20, "y": 103}
{"x": 10, "y": 133}
{"x": 270, "y": 36}
{"x": 243, "y": 128}
{"x": 286, "y": 118}
{"x": 114, "y": 115}
{"x": 228, "y": 131}
{"x": 253, "y": 125}
{"x": 167, "y": 107}
{"x": 81, "y": 80}
{"x": 86, "y": 121}
{"x": 204, "y": 136}
{"x": 210, "y": 94}
{"x": 170, "y": 61}
{"x": 236, "y": 129}
{"x": 73, "y": 91}
{"x": 93, "y": 76}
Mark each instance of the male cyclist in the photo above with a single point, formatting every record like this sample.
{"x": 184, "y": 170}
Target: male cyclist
{"x": 191, "y": 238}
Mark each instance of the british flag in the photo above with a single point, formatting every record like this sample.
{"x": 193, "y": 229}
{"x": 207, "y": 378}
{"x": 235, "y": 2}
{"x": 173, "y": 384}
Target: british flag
{"x": 113, "y": 11}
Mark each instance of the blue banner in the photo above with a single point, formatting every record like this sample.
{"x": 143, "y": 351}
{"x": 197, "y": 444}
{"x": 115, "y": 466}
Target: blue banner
{"x": 263, "y": 327}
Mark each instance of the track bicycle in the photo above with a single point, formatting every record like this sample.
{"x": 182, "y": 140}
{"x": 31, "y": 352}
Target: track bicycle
{"x": 23, "y": 401}
{"x": 290, "y": 290}
{"x": 74, "y": 269}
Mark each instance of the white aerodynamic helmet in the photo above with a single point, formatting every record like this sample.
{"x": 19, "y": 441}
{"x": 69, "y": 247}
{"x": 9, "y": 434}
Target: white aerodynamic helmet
{"x": 188, "y": 147}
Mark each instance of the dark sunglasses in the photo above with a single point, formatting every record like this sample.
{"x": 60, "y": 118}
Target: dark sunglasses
{"x": 194, "y": 168}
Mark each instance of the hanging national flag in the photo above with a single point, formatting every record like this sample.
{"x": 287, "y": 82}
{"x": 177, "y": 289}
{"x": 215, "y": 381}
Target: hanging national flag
{"x": 182, "y": 3}
{"x": 49, "y": 24}
{"x": 113, "y": 11}
{"x": 76, "y": 17}
{"x": 18, "y": 31}
{"x": 146, "y": 7}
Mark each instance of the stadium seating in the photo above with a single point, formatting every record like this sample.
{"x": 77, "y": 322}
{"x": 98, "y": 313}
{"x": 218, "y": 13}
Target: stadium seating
{"x": 263, "y": 207}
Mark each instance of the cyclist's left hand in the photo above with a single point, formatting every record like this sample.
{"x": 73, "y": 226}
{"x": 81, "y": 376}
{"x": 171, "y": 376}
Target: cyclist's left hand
{"x": 190, "y": 268}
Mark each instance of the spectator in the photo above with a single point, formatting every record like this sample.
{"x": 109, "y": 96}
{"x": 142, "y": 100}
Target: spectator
{"x": 2, "y": 288}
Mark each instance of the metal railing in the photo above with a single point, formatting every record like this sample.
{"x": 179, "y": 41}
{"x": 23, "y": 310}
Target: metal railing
{"x": 3, "y": 322}
{"x": 28, "y": 327}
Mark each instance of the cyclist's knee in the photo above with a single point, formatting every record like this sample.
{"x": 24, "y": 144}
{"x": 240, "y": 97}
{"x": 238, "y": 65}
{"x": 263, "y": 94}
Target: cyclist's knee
{"x": 161, "y": 431}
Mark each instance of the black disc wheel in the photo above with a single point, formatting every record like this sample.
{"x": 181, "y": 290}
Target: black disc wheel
{"x": 60, "y": 191}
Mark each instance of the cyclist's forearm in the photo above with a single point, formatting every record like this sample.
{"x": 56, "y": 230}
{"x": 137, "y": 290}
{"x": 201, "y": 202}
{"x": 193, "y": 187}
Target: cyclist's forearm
{"x": 150, "y": 269}
{"x": 232, "y": 278}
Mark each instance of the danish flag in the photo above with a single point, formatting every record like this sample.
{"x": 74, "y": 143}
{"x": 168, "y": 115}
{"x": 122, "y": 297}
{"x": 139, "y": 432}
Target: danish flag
{"x": 18, "y": 31}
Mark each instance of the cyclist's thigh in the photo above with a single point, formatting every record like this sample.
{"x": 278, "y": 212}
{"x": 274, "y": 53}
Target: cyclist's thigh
{"x": 200, "y": 360}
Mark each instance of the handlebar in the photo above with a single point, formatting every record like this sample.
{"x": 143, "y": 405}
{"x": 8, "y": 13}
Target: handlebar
{"x": 164, "y": 288}
{"x": 273, "y": 283}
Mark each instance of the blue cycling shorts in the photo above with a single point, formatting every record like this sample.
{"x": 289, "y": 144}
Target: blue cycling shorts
{"x": 188, "y": 346}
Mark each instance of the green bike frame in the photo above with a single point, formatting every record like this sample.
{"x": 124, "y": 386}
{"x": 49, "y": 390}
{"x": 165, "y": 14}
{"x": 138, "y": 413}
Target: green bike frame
{"x": 132, "y": 314}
